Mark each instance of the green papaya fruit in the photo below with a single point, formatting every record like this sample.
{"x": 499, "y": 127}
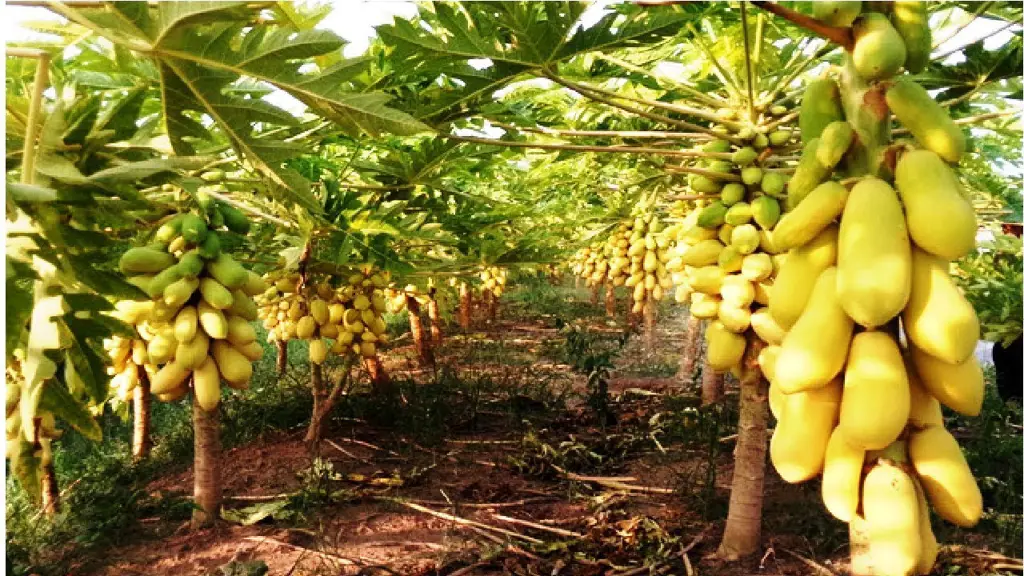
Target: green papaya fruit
{"x": 835, "y": 140}
{"x": 212, "y": 175}
{"x": 744, "y": 156}
{"x": 704, "y": 185}
{"x": 144, "y": 260}
{"x": 732, "y": 193}
{"x": 712, "y": 216}
{"x": 809, "y": 173}
{"x": 779, "y": 137}
{"x": 910, "y": 19}
{"x": 878, "y": 50}
{"x": 721, "y": 167}
{"x": 164, "y": 279}
{"x": 761, "y": 141}
{"x": 191, "y": 264}
{"x": 821, "y": 106}
{"x": 766, "y": 211}
{"x": 751, "y": 175}
{"x": 773, "y": 183}
{"x": 926, "y": 120}
{"x": 234, "y": 219}
{"x": 739, "y": 213}
{"x": 719, "y": 146}
{"x": 840, "y": 14}
{"x": 193, "y": 228}
{"x": 168, "y": 230}
{"x": 210, "y": 248}
{"x": 227, "y": 271}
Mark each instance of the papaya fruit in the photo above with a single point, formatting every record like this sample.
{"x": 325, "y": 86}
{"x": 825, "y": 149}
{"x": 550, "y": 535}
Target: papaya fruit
{"x": 925, "y": 410}
{"x": 161, "y": 347}
{"x": 306, "y": 327}
{"x": 169, "y": 229}
{"x": 929, "y": 544}
{"x": 892, "y": 519}
{"x": 704, "y": 306}
{"x": 773, "y": 183}
{"x": 929, "y": 123}
{"x": 720, "y": 167}
{"x": 254, "y": 284}
{"x": 170, "y": 377}
{"x": 873, "y": 266}
{"x": 706, "y": 279}
{"x": 876, "y": 393}
{"x": 705, "y": 185}
{"x": 191, "y": 264}
{"x": 945, "y": 476}
{"x": 751, "y": 175}
{"x": 961, "y": 386}
{"x": 840, "y": 14}
{"x": 745, "y": 239}
{"x": 193, "y": 229}
{"x": 737, "y": 290}
{"x": 191, "y": 354}
{"x": 212, "y": 320}
{"x": 725, "y": 233}
{"x": 767, "y": 244}
{"x": 878, "y": 50}
{"x": 833, "y": 143}
{"x": 937, "y": 318}
{"x": 760, "y": 141}
{"x": 242, "y": 305}
{"x": 910, "y": 19}
{"x": 813, "y": 215}
{"x": 735, "y": 318}
{"x": 240, "y": 331}
{"x": 144, "y": 260}
{"x": 766, "y": 328}
{"x": 766, "y": 211}
{"x": 732, "y": 193}
{"x": 820, "y": 107}
{"x": 815, "y": 348}
{"x": 739, "y": 213}
{"x": 766, "y": 360}
{"x": 940, "y": 220}
{"x": 798, "y": 445}
{"x": 744, "y": 156}
{"x": 206, "y": 382}
{"x": 215, "y": 216}
{"x": 756, "y": 267}
{"x": 809, "y": 175}
{"x": 179, "y": 292}
{"x": 717, "y": 146}
{"x": 317, "y": 351}
{"x": 725, "y": 348}
{"x": 779, "y": 137}
{"x": 234, "y": 367}
{"x": 701, "y": 254}
{"x": 730, "y": 260}
{"x": 234, "y": 219}
{"x": 253, "y": 350}
{"x": 712, "y": 216}
{"x": 178, "y": 244}
{"x": 797, "y": 274}
{"x": 228, "y": 272}
{"x": 210, "y": 248}
{"x": 215, "y": 294}
{"x": 840, "y": 476}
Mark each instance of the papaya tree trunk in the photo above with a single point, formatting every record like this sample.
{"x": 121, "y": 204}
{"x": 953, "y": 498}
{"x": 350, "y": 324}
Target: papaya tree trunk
{"x": 419, "y": 338}
{"x": 323, "y": 403}
{"x": 316, "y": 385}
{"x": 492, "y": 308}
{"x": 378, "y": 376}
{"x": 609, "y": 300}
{"x": 282, "y": 357}
{"x": 595, "y": 292}
{"x": 50, "y": 494}
{"x": 691, "y": 349}
{"x": 742, "y": 535}
{"x": 650, "y": 316}
{"x": 141, "y": 440}
{"x": 206, "y": 488}
{"x": 465, "y": 306}
{"x": 434, "y": 314}
{"x": 712, "y": 386}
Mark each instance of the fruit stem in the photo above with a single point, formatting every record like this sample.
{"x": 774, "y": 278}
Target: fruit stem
{"x": 841, "y": 36}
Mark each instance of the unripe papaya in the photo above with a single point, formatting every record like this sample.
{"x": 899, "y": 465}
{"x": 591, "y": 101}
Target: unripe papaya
{"x": 814, "y": 350}
{"x": 766, "y": 328}
{"x": 168, "y": 230}
{"x": 744, "y": 156}
{"x": 169, "y": 378}
{"x": 725, "y": 348}
{"x": 873, "y": 265}
{"x": 766, "y": 211}
{"x": 813, "y": 215}
{"x": 705, "y": 185}
{"x": 926, "y": 120}
{"x": 961, "y": 386}
{"x": 809, "y": 175}
{"x": 840, "y": 14}
{"x": 228, "y": 272}
{"x": 703, "y": 253}
{"x": 878, "y": 51}
{"x": 191, "y": 264}
{"x": 945, "y": 476}
{"x": 939, "y": 218}
{"x": 925, "y": 410}
{"x": 773, "y": 183}
{"x": 892, "y": 519}
{"x": 833, "y": 143}
{"x": 179, "y": 292}
{"x": 254, "y": 284}
{"x": 751, "y": 175}
{"x": 234, "y": 219}
{"x": 193, "y": 229}
{"x": 760, "y": 141}
{"x": 712, "y": 216}
{"x": 938, "y": 319}
{"x": 144, "y": 261}
{"x": 242, "y": 305}
{"x": 840, "y": 476}
{"x": 797, "y": 275}
{"x": 215, "y": 294}
{"x": 234, "y": 367}
{"x": 717, "y": 146}
{"x": 779, "y": 138}
{"x": 876, "y": 393}
{"x": 739, "y": 213}
{"x": 911, "y": 21}
{"x": 820, "y": 107}
{"x": 210, "y": 248}
{"x": 800, "y": 439}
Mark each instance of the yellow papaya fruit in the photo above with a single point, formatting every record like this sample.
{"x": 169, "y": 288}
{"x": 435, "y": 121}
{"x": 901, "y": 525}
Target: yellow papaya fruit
{"x": 940, "y": 220}
{"x": 892, "y": 519}
{"x": 173, "y": 395}
{"x": 820, "y": 107}
{"x": 161, "y": 347}
{"x": 305, "y": 327}
{"x": 798, "y": 445}
{"x": 735, "y": 318}
{"x": 876, "y": 393}
{"x": 809, "y": 175}
{"x": 240, "y": 331}
{"x": 878, "y": 50}
{"x": 253, "y": 350}
{"x": 186, "y": 324}
{"x": 367, "y": 349}
{"x": 945, "y": 476}
{"x": 756, "y": 267}
{"x": 961, "y": 386}
{"x": 234, "y": 367}
{"x": 191, "y": 354}
{"x": 212, "y": 320}
{"x": 797, "y": 275}
{"x": 929, "y": 123}
{"x": 168, "y": 378}
{"x": 929, "y": 545}
{"x": 730, "y": 260}
{"x": 761, "y": 290}
{"x": 206, "y": 382}
{"x": 833, "y": 143}
{"x": 706, "y": 279}
{"x": 242, "y": 305}
{"x": 766, "y": 328}
{"x": 873, "y": 266}
{"x": 937, "y": 318}
{"x": 745, "y": 239}
{"x": 840, "y": 476}
{"x": 910, "y": 19}
{"x": 317, "y": 351}
{"x": 703, "y": 253}
{"x": 813, "y": 215}
{"x": 725, "y": 348}
{"x": 776, "y": 401}
{"x": 215, "y": 294}
{"x": 704, "y": 306}
{"x": 766, "y": 359}
{"x": 925, "y": 410}
{"x": 815, "y": 348}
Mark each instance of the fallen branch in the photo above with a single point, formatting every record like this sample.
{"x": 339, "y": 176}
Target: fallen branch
{"x": 334, "y": 445}
{"x": 535, "y": 526}
{"x": 260, "y": 497}
{"x": 486, "y": 505}
{"x": 463, "y": 521}
{"x": 818, "y": 568}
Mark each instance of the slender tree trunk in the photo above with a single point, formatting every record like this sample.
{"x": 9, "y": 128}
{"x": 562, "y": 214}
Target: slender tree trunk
{"x": 322, "y": 406}
{"x": 609, "y": 299}
{"x": 434, "y": 314}
{"x": 742, "y": 535}
{"x": 378, "y": 376}
{"x": 50, "y": 494}
{"x": 650, "y": 316}
{"x": 691, "y": 349}
{"x": 206, "y": 487}
{"x": 282, "y": 357}
{"x": 712, "y": 387}
{"x": 419, "y": 338}
{"x": 141, "y": 440}
{"x": 316, "y": 385}
{"x": 465, "y": 306}
{"x": 492, "y": 307}
{"x": 595, "y": 293}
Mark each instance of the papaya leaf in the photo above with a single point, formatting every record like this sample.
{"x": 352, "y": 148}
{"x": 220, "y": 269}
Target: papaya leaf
{"x": 55, "y": 398}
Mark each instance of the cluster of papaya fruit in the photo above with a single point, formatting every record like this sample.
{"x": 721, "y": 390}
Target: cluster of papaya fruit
{"x": 494, "y": 278}
{"x": 591, "y": 262}
{"x": 341, "y": 319}
{"x": 20, "y": 443}
{"x": 197, "y": 321}
{"x": 396, "y": 298}
{"x": 723, "y": 258}
{"x": 854, "y": 401}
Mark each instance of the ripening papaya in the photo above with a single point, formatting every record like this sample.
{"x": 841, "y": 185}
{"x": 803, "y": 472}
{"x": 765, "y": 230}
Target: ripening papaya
{"x": 945, "y": 476}
{"x": 840, "y": 476}
{"x": 738, "y": 214}
{"x": 809, "y": 174}
{"x": 240, "y": 331}
{"x": 873, "y": 265}
{"x": 737, "y": 291}
{"x": 215, "y": 294}
{"x": 911, "y": 21}
{"x": 815, "y": 348}
{"x": 840, "y": 14}
{"x": 725, "y": 348}
{"x": 144, "y": 260}
{"x": 928, "y": 122}
{"x": 876, "y": 393}
{"x": 745, "y": 239}
{"x": 242, "y": 305}
{"x": 253, "y": 350}
{"x": 893, "y": 520}
{"x": 735, "y": 318}
{"x": 765, "y": 211}
{"x": 938, "y": 319}
{"x": 168, "y": 378}
{"x": 161, "y": 347}
{"x": 820, "y": 107}
{"x": 797, "y": 275}
{"x": 305, "y": 327}
{"x": 961, "y": 386}
{"x": 878, "y": 51}
{"x": 811, "y": 216}
{"x": 234, "y": 367}
{"x": 254, "y": 284}
{"x": 800, "y": 439}
{"x": 317, "y": 351}
{"x": 228, "y": 272}
{"x": 703, "y": 253}
{"x": 929, "y": 544}
{"x": 766, "y": 360}
{"x": 169, "y": 229}
{"x": 833, "y": 143}
{"x": 706, "y": 279}
{"x": 206, "y": 382}
{"x": 191, "y": 354}
{"x": 940, "y": 220}
{"x": 704, "y": 306}
{"x": 212, "y": 320}
{"x": 766, "y": 328}
{"x": 178, "y": 292}
{"x": 925, "y": 409}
